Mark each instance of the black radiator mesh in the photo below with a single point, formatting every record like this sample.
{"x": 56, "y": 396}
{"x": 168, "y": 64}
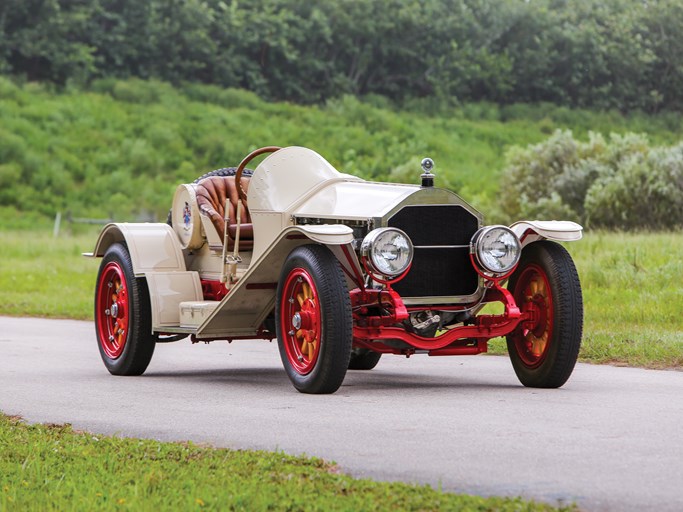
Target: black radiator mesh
{"x": 438, "y": 271}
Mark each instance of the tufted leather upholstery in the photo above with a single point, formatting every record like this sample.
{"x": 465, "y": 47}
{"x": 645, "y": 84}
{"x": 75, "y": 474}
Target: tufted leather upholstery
{"x": 211, "y": 195}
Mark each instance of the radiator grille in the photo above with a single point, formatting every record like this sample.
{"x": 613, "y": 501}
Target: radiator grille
{"x": 438, "y": 271}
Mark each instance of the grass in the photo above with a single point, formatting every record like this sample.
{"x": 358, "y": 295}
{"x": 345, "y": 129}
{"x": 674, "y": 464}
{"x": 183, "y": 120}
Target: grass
{"x": 633, "y": 294}
{"x": 121, "y": 148}
{"x": 631, "y": 286}
{"x": 52, "y": 467}
{"x": 45, "y": 276}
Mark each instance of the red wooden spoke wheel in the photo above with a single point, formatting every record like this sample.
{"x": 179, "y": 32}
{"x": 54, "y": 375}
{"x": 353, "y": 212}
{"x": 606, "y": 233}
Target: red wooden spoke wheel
{"x": 112, "y": 310}
{"x": 123, "y": 318}
{"x": 534, "y": 296}
{"x": 314, "y": 323}
{"x": 300, "y": 316}
{"x": 544, "y": 348}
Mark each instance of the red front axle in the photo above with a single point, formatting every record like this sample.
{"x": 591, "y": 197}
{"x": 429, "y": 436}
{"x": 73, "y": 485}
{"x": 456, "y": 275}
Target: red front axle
{"x": 376, "y": 314}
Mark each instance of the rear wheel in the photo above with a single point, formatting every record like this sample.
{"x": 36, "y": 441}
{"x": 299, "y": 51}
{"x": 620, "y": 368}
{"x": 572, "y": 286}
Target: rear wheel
{"x": 363, "y": 359}
{"x": 122, "y": 315}
{"x": 313, "y": 320}
{"x": 546, "y": 285}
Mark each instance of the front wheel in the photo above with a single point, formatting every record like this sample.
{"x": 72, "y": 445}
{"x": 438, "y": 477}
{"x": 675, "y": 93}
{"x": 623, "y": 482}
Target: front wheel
{"x": 543, "y": 350}
{"x": 313, "y": 320}
{"x": 122, "y": 315}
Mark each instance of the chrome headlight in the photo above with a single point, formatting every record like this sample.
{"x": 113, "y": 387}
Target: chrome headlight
{"x": 387, "y": 251}
{"x": 497, "y": 249}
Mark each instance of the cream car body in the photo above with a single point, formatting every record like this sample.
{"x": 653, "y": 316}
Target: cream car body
{"x": 296, "y": 198}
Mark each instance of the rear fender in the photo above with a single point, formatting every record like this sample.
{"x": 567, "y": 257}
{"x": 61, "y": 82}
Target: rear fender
{"x": 153, "y": 247}
{"x": 529, "y": 231}
{"x": 156, "y": 255}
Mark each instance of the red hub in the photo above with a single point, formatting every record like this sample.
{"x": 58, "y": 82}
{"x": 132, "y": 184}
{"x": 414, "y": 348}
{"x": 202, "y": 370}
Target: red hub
{"x": 112, "y": 313}
{"x": 534, "y": 297}
{"x": 300, "y": 320}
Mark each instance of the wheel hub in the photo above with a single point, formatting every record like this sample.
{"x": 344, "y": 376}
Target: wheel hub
{"x": 534, "y": 295}
{"x": 302, "y": 315}
{"x": 112, "y": 310}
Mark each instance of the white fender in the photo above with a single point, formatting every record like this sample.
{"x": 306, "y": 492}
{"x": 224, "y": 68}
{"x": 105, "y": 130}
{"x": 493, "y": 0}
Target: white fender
{"x": 529, "y": 231}
{"x": 153, "y": 247}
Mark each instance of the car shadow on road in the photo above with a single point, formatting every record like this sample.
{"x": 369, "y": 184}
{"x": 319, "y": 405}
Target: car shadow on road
{"x": 275, "y": 378}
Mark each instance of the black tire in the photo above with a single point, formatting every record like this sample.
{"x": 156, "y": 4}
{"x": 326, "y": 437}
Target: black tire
{"x": 544, "y": 355}
{"x": 319, "y": 365}
{"x": 123, "y": 324}
{"x": 363, "y": 359}
{"x": 225, "y": 171}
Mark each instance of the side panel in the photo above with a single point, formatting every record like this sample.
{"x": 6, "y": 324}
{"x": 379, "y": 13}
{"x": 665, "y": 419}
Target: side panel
{"x": 153, "y": 247}
{"x": 243, "y": 310}
{"x": 166, "y": 291}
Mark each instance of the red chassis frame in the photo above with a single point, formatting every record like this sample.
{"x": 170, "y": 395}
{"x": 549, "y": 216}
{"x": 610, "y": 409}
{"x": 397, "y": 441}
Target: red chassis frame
{"x": 370, "y": 330}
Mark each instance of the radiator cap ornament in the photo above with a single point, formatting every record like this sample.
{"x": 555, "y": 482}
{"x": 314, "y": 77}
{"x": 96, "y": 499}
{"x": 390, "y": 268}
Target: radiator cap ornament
{"x": 427, "y": 176}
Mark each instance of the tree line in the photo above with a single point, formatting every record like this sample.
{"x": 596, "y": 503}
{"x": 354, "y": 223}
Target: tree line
{"x": 603, "y": 54}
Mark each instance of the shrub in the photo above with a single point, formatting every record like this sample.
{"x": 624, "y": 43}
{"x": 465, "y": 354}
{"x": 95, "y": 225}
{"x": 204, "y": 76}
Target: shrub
{"x": 620, "y": 183}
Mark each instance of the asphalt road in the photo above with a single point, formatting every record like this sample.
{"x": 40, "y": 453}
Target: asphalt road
{"x": 610, "y": 439}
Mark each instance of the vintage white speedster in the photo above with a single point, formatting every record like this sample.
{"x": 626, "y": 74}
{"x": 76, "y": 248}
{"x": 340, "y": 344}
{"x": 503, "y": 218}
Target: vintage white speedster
{"x": 340, "y": 270}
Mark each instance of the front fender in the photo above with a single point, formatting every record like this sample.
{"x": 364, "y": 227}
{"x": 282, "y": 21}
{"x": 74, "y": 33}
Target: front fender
{"x": 529, "y": 231}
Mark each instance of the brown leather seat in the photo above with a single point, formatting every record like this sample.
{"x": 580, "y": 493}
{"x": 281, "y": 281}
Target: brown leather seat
{"x": 211, "y": 195}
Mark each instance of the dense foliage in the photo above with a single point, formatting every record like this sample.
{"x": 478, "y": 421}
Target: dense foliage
{"x": 620, "y": 182}
{"x": 122, "y": 150}
{"x": 625, "y": 54}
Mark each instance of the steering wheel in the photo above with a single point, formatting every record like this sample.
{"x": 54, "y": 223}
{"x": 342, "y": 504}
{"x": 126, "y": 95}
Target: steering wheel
{"x": 243, "y": 164}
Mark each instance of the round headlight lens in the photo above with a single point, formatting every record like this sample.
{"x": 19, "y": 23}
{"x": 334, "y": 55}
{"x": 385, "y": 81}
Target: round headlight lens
{"x": 497, "y": 249}
{"x": 387, "y": 251}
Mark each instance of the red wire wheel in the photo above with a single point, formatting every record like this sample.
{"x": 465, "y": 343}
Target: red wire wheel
{"x": 546, "y": 287}
{"x": 314, "y": 323}
{"x": 534, "y": 296}
{"x": 300, "y": 314}
{"x": 111, "y": 310}
{"x": 123, "y": 318}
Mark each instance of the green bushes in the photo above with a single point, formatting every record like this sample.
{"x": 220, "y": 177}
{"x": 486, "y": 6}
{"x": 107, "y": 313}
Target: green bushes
{"x": 620, "y": 182}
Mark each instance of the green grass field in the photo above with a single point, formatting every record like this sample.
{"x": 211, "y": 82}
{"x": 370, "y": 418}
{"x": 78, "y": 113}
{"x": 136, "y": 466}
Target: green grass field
{"x": 51, "y": 467}
{"x": 631, "y": 284}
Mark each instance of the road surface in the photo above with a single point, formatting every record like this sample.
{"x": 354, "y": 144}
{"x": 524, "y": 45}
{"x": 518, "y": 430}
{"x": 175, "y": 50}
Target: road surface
{"x": 610, "y": 439}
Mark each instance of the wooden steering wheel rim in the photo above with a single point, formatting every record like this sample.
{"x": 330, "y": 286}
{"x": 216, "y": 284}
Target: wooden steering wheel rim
{"x": 243, "y": 164}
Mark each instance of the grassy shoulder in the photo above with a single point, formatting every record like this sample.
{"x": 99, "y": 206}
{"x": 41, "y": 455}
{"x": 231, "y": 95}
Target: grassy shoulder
{"x": 52, "y": 467}
{"x": 631, "y": 286}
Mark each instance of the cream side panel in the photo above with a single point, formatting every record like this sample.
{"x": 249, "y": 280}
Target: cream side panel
{"x": 267, "y": 227}
{"x": 167, "y": 290}
{"x": 243, "y": 310}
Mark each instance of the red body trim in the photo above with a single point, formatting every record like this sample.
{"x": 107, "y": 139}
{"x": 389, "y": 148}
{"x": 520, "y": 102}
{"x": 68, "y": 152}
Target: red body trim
{"x": 261, "y": 286}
